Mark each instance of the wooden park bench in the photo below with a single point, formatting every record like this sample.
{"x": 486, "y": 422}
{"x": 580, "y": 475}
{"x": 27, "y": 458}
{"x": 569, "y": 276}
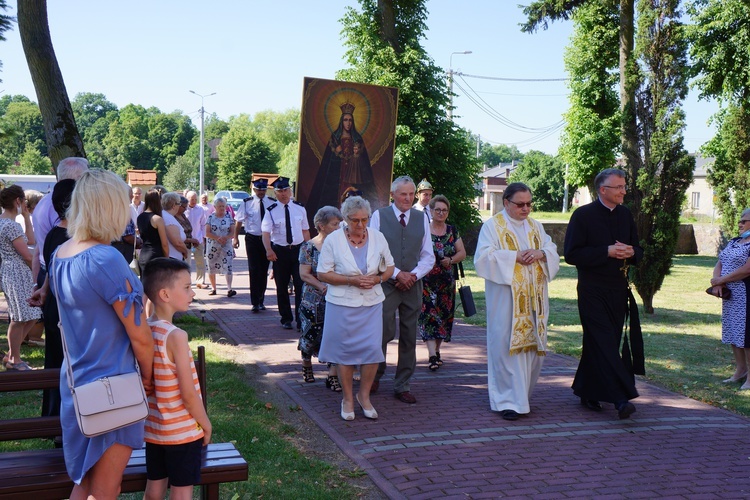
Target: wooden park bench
{"x": 41, "y": 474}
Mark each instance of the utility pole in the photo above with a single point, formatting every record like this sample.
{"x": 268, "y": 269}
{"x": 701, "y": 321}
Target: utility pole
{"x": 450, "y": 82}
{"x": 201, "y": 184}
{"x": 565, "y": 198}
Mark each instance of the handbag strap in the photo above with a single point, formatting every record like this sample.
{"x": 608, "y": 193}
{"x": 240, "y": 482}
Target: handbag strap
{"x": 68, "y": 367}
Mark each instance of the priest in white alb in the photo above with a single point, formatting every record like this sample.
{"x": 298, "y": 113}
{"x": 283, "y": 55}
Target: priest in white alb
{"x": 517, "y": 260}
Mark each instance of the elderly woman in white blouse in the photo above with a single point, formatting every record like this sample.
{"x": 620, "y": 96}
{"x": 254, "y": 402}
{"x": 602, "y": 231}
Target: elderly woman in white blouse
{"x": 354, "y": 261}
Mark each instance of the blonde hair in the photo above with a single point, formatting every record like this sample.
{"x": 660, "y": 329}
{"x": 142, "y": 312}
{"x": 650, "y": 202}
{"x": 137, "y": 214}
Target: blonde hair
{"x": 99, "y": 208}
{"x": 32, "y": 198}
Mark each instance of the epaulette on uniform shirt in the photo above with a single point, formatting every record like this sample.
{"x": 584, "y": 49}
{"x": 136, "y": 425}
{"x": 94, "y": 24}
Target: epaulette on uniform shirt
{"x": 297, "y": 203}
{"x": 271, "y": 207}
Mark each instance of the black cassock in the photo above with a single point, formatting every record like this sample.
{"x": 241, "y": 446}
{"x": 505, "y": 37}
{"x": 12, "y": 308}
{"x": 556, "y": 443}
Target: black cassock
{"x": 604, "y": 302}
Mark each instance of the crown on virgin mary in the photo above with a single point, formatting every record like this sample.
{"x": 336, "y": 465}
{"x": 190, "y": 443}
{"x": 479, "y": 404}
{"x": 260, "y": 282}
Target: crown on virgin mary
{"x": 347, "y": 108}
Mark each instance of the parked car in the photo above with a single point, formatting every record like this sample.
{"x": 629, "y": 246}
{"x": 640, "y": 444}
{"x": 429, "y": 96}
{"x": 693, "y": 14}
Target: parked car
{"x": 233, "y": 195}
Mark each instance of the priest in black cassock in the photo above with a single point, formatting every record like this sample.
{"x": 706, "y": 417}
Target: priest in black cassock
{"x": 602, "y": 241}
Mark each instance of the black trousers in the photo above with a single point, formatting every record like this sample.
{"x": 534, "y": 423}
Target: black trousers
{"x": 285, "y": 268}
{"x": 257, "y": 264}
{"x": 602, "y": 374}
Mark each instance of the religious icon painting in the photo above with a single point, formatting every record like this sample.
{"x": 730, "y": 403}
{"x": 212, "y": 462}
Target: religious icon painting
{"x": 347, "y": 140}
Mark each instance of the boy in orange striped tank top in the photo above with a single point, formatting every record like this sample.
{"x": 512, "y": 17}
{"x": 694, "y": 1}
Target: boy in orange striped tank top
{"x": 177, "y": 426}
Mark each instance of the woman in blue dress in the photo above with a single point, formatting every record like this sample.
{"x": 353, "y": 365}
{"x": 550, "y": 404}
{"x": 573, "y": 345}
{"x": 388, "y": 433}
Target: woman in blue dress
{"x": 733, "y": 271}
{"x": 105, "y": 328}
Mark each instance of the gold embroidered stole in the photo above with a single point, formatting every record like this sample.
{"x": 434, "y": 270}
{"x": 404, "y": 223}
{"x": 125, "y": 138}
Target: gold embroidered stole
{"x": 529, "y": 328}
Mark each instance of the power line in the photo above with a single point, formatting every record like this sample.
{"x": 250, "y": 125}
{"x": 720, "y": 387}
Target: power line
{"x": 512, "y": 79}
{"x": 493, "y": 113}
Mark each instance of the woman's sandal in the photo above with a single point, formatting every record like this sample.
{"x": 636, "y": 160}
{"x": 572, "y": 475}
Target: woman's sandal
{"x": 332, "y": 383}
{"x": 307, "y": 373}
{"x": 20, "y": 366}
{"x": 439, "y": 361}
{"x": 231, "y": 293}
{"x": 212, "y": 292}
{"x": 434, "y": 363}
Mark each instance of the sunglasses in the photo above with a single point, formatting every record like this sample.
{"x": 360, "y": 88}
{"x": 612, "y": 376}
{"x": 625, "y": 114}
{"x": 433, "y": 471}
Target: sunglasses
{"x": 521, "y": 205}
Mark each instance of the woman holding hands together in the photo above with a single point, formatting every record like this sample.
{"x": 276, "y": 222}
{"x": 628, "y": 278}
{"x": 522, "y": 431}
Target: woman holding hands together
{"x": 354, "y": 262}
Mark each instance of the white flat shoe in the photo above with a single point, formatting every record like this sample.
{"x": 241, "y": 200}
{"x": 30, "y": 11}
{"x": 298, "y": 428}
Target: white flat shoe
{"x": 745, "y": 387}
{"x": 368, "y": 413}
{"x": 346, "y": 415}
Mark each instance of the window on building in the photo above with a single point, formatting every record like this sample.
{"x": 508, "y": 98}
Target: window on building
{"x": 695, "y": 200}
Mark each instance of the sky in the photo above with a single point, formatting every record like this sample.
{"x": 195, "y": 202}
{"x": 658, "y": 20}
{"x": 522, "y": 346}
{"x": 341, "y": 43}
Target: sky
{"x": 254, "y": 55}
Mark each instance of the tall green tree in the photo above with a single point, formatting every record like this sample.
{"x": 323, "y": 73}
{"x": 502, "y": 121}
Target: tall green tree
{"x": 32, "y": 162}
{"x": 241, "y": 153}
{"x": 25, "y": 120}
{"x": 492, "y": 155}
{"x": 666, "y": 168}
{"x": 88, "y": 108}
{"x": 540, "y": 12}
{"x": 545, "y": 175}
{"x": 383, "y": 42}
{"x": 591, "y": 136}
{"x": 182, "y": 174}
{"x": 653, "y": 84}
{"x": 721, "y": 64}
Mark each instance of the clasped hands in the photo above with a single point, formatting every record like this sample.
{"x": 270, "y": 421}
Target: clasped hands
{"x": 364, "y": 281}
{"x": 620, "y": 251}
{"x": 404, "y": 280}
{"x": 527, "y": 257}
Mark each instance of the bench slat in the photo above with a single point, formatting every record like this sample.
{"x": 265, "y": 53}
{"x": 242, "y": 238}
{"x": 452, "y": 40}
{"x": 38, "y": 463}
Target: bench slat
{"x": 42, "y": 472}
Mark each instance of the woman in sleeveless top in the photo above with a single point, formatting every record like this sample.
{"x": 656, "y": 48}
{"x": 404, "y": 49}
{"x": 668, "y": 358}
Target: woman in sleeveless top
{"x": 152, "y": 229}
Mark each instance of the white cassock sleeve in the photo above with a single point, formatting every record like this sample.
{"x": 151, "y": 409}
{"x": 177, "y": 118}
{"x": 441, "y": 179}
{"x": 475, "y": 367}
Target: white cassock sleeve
{"x": 490, "y": 261}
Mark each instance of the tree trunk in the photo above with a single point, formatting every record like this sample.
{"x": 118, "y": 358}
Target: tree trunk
{"x": 63, "y": 139}
{"x": 628, "y": 85}
{"x": 388, "y": 24}
{"x": 648, "y": 303}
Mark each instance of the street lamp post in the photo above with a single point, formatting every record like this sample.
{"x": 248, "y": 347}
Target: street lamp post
{"x": 200, "y": 185}
{"x": 450, "y": 82}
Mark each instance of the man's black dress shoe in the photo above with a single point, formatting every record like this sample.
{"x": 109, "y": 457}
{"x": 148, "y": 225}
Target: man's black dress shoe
{"x": 287, "y": 325}
{"x": 262, "y": 307}
{"x": 591, "y": 404}
{"x": 256, "y": 309}
{"x": 625, "y": 409}
{"x": 509, "y": 414}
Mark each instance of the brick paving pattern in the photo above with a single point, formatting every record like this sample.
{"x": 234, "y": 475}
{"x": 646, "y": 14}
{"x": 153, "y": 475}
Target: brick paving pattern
{"x": 451, "y": 445}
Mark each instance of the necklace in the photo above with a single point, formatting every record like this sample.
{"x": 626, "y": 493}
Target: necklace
{"x": 356, "y": 243}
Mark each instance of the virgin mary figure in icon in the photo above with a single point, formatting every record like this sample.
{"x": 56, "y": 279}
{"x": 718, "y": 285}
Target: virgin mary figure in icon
{"x": 345, "y": 164}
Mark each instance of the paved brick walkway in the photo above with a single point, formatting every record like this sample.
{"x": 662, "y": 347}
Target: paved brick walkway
{"x": 450, "y": 445}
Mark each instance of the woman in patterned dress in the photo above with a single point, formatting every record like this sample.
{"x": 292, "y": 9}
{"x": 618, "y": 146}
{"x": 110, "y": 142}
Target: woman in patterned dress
{"x": 439, "y": 292}
{"x": 733, "y": 271}
{"x": 219, "y": 251}
{"x": 312, "y": 308}
{"x": 15, "y": 271}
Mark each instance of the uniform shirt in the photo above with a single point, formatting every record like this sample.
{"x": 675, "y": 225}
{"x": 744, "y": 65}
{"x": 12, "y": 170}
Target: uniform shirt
{"x": 197, "y": 217}
{"x": 426, "y": 210}
{"x": 249, "y": 213}
{"x": 275, "y": 223}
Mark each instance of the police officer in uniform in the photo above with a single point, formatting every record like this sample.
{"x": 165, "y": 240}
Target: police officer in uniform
{"x": 250, "y": 214}
{"x": 285, "y": 228}
{"x": 424, "y": 195}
